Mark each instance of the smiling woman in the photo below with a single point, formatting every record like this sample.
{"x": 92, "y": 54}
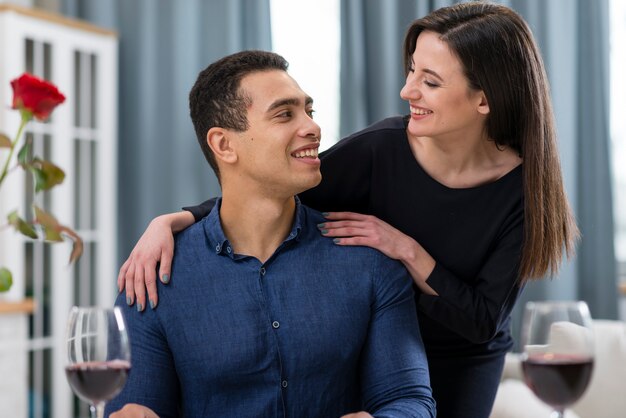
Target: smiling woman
{"x": 313, "y": 55}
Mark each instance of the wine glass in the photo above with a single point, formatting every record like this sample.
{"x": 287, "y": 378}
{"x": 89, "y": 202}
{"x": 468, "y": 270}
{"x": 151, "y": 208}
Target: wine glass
{"x": 98, "y": 355}
{"x": 557, "y": 357}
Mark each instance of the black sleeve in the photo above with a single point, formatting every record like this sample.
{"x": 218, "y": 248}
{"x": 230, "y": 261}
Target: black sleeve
{"x": 478, "y": 311}
{"x": 201, "y": 210}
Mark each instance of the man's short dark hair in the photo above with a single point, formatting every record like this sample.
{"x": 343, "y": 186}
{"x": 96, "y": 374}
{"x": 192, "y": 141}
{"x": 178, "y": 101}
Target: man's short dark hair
{"x": 216, "y": 99}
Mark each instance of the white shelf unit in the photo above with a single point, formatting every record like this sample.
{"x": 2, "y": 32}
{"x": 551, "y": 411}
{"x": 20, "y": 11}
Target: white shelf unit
{"x": 81, "y": 138}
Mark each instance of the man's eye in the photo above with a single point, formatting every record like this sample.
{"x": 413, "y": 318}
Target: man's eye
{"x": 285, "y": 114}
{"x": 310, "y": 112}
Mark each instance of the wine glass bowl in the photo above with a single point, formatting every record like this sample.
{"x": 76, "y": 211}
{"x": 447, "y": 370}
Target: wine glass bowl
{"x": 98, "y": 355}
{"x": 557, "y": 357}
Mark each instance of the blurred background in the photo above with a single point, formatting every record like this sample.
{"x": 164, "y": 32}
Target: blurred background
{"x": 130, "y": 66}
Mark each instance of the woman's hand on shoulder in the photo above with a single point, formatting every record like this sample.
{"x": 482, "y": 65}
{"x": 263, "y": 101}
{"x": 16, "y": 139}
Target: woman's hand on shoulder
{"x": 349, "y": 228}
{"x": 138, "y": 272}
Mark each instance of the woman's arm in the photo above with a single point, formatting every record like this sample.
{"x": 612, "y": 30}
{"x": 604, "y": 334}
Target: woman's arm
{"x": 156, "y": 245}
{"x": 138, "y": 272}
{"x": 473, "y": 310}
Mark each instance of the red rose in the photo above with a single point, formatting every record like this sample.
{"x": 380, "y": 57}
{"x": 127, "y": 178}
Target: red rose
{"x": 34, "y": 95}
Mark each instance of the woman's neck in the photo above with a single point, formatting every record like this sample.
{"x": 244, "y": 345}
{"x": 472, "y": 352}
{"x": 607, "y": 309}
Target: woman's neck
{"x": 463, "y": 162}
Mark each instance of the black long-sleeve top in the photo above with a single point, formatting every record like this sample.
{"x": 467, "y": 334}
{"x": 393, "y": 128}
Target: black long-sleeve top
{"x": 474, "y": 234}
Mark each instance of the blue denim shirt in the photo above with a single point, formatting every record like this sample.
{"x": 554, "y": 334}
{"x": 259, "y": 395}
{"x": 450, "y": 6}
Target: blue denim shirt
{"x": 318, "y": 330}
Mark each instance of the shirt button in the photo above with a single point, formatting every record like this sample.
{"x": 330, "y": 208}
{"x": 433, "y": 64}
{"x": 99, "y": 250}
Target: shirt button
{"x": 228, "y": 250}
{"x": 283, "y": 383}
{"x": 262, "y": 271}
{"x": 275, "y": 324}
{"x": 217, "y": 248}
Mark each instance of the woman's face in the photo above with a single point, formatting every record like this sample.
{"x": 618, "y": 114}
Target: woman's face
{"x": 441, "y": 103}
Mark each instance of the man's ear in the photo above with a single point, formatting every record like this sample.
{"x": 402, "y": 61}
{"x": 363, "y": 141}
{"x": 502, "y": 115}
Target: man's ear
{"x": 483, "y": 105}
{"x": 219, "y": 140}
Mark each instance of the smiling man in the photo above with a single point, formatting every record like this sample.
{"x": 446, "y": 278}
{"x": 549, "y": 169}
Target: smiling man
{"x": 267, "y": 318}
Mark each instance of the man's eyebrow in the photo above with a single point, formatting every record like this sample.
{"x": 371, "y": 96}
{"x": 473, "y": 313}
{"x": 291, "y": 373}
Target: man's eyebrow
{"x": 289, "y": 101}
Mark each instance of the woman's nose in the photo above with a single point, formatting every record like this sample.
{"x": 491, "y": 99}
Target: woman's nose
{"x": 410, "y": 90}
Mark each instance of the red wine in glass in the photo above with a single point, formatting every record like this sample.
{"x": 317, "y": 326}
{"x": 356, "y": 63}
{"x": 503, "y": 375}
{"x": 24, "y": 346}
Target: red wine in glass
{"x": 98, "y": 355}
{"x": 558, "y": 351}
{"x": 558, "y": 380}
{"x": 97, "y": 382}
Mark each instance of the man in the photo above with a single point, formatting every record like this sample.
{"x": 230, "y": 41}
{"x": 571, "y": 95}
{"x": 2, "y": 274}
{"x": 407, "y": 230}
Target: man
{"x": 267, "y": 318}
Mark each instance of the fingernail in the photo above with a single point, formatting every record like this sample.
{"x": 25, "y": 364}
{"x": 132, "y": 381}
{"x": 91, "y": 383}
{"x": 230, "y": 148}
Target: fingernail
{"x": 165, "y": 279}
{"x": 139, "y": 307}
{"x": 324, "y": 231}
{"x": 152, "y": 304}
{"x": 129, "y": 301}
{"x": 325, "y": 214}
{"x": 321, "y": 225}
{"x": 336, "y": 240}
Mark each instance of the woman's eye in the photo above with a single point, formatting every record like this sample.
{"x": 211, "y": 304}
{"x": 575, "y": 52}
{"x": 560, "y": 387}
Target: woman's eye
{"x": 411, "y": 69}
{"x": 430, "y": 83}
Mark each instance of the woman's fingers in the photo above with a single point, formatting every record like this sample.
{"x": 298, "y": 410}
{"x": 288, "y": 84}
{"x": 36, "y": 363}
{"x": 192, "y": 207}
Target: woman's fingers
{"x": 151, "y": 287}
{"x": 346, "y": 215}
{"x": 140, "y": 288}
{"x": 129, "y": 279}
{"x": 121, "y": 276}
{"x": 167, "y": 253}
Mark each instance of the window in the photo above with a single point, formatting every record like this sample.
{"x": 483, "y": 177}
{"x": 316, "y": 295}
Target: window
{"x": 306, "y": 33}
{"x": 618, "y": 127}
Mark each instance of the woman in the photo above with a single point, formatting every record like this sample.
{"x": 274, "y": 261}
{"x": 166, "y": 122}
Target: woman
{"x": 466, "y": 191}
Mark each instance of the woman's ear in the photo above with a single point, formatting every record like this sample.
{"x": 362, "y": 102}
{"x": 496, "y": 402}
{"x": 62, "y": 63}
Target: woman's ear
{"x": 219, "y": 140}
{"x": 483, "y": 105}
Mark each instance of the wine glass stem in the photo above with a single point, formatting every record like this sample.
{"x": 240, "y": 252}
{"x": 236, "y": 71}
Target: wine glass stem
{"x": 97, "y": 411}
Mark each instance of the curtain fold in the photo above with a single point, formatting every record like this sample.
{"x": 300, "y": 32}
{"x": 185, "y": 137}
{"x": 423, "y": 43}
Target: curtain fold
{"x": 163, "y": 46}
{"x": 573, "y": 37}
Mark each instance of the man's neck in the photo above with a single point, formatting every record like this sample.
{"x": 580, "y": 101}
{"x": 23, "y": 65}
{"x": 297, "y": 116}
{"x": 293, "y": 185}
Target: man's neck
{"x": 256, "y": 226}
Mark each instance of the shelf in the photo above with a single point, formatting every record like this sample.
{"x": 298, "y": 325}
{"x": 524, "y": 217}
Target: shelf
{"x": 26, "y": 306}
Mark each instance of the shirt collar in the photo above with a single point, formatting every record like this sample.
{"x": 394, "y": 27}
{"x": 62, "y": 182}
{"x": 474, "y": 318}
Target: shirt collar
{"x": 220, "y": 244}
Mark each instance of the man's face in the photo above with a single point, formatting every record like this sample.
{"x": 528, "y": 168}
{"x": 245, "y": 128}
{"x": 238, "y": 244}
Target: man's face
{"x": 278, "y": 152}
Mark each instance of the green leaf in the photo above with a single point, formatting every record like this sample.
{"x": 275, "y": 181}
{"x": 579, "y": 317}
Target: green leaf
{"x": 6, "y": 279}
{"x": 5, "y": 141}
{"x": 52, "y": 235}
{"x": 21, "y": 225}
{"x": 45, "y": 219}
{"x": 22, "y": 155}
{"x": 47, "y": 175}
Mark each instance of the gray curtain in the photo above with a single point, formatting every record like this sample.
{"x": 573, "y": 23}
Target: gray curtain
{"x": 573, "y": 37}
{"x": 163, "y": 46}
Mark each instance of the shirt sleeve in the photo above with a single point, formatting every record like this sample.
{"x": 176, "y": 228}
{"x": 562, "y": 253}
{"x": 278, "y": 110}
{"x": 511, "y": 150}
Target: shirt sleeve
{"x": 152, "y": 381}
{"x": 201, "y": 210}
{"x": 394, "y": 369}
{"x": 478, "y": 310}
